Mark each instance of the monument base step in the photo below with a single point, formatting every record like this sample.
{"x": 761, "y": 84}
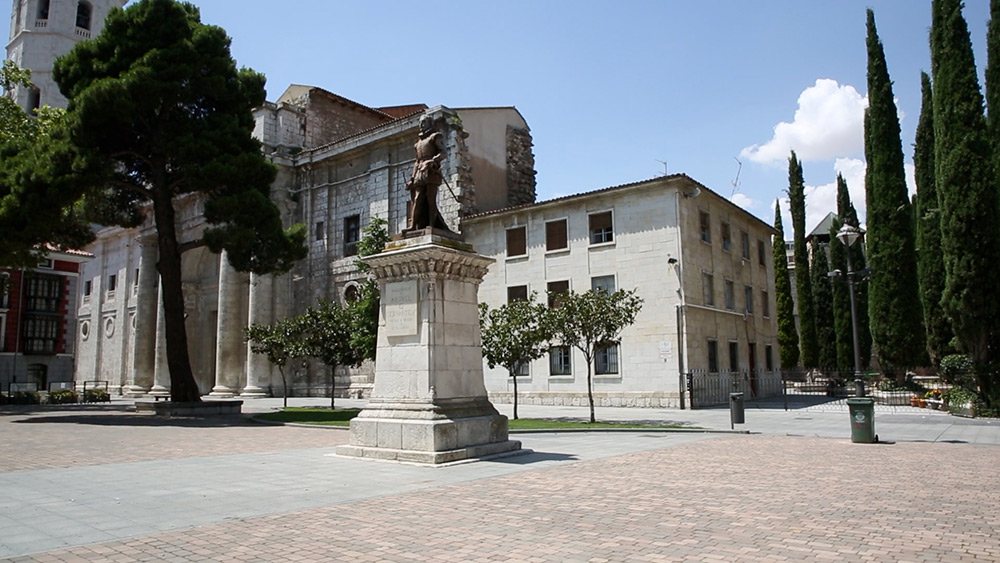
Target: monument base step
{"x": 470, "y": 453}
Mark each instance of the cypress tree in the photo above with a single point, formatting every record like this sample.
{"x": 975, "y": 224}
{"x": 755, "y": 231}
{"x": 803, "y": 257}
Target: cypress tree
{"x": 849, "y": 216}
{"x": 993, "y": 83}
{"x": 788, "y": 338}
{"x": 967, "y": 195}
{"x": 841, "y": 302}
{"x": 823, "y": 305}
{"x": 930, "y": 262}
{"x": 803, "y": 281}
{"x": 894, "y": 300}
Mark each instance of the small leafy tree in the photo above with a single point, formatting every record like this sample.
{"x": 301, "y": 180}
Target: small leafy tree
{"x": 326, "y": 336}
{"x": 280, "y": 342}
{"x": 514, "y": 334}
{"x": 591, "y": 321}
{"x": 364, "y": 311}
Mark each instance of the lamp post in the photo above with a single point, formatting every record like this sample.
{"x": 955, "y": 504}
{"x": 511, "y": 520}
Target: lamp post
{"x": 848, "y": 234}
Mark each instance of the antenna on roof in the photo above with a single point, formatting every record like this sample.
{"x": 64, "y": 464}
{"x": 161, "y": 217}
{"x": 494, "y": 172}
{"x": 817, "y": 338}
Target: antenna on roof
{"x": 664, "y": 163}
{"x": 736, "y": 180}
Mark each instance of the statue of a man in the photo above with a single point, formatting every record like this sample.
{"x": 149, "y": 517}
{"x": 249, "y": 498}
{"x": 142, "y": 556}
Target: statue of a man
{"x": 426, "y": 178}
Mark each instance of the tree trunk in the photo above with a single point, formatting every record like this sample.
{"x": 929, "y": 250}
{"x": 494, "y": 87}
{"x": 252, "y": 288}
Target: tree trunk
{"x": 333, "y": 385}
{"x": 590, "y": 389}
{"x": 182, "y": 384}
{"x": 284, "y": 385}
{"x": 514, "y": 375}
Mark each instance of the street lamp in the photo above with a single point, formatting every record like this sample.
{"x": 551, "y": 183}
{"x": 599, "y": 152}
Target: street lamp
{"x": 848, "y": 234}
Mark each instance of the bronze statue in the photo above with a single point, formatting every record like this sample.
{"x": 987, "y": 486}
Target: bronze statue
{"x": 426, "y": 178}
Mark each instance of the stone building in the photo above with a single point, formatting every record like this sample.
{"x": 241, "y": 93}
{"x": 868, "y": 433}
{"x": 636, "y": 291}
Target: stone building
{"x": 701, "y": 264}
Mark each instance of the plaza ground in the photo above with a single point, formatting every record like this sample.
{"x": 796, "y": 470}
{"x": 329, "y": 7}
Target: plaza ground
{"x": 105, "y": 484}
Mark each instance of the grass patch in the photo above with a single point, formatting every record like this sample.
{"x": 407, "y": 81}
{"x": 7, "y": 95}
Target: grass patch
{"x": 551, "y": 424}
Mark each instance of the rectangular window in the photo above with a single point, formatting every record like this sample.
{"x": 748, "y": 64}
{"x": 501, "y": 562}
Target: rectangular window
{"x": 605, "y": 283}
{"x": 559, "y": 361}
{"x": 517, "y": 293}
{"x": 352, "y": 234}
{"x": 727, "y": 237}
{"x": 4, "y": 299}
{"x": 43, "y": 294}
{"x": 730, "y": 297}
{"x": 88, "y": 286}
{"x": 135, "y": 280}
{"x": 748, "y": 295}
{"x": 765, "y": 304}
{"x": 112, "y": 283}
{"x": 320, "y": 233}
{"x": 713, "y": 356}
{"x": 705, "y": 227}
{"x": 41, "y": 332}
{"x": 761, "y": 253}
{"x": 606, "y": 360}
{"x": 554, "y": 289}
{"x": 522, "y": 370}
{"x": 601, "y": 230}
{"x": 517, "y": 241}
{"x": 734, "y": 356}
{"x": 707, "y": 282}
{"x": 555, "y": 235}
{"x": 745, "y": 244}
{"x": 768, "y": 357}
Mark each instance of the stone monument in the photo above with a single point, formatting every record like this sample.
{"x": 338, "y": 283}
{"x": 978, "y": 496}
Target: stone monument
{"x": 429, "y": 403}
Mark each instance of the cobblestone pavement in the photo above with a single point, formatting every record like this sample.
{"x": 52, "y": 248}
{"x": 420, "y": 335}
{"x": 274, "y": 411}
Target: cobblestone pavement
{"x": 728, "y": 498}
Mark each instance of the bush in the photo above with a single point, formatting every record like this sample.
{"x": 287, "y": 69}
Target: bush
{"x": 96, "y": 396}
{"x": 63, "y": 397}
{"x": 957, "y": 369}
{"x": 24, "y": 398}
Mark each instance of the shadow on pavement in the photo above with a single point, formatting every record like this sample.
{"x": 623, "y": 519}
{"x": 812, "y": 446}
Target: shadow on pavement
{"x": 132, "y": 419}
{"x": 533, "y": 457}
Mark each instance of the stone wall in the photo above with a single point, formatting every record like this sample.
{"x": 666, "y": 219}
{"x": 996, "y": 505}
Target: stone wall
{"x": 520, "y": 167}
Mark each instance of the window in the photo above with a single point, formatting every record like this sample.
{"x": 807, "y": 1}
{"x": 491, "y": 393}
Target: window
{"x": 745, "y": 244}
{"x": 707, "y": 282}
{"x": 83, "y": 10}
{"x": 517, "y": 244}
{"x": 713, "y": 356}
{"x": 43, "y": 294}
{"x": 46, "y": 264}
{"x": 522, "y": 370}
{"x": 601, "y": 228}
{"x": 88, "y": 287}
{"x": 517, "y": 293}
{"x": 768, "y": 357}
{"x": 135, "y": 280}
{"x": 606, "y": 360}
{"x": 112, "y": 283}
{"x": 320, "y": 231}
{"x": 34, "y": 99}
{"x": 761, "y": 253}
{"x": 606, "y": 283}
{"x": 17, "y": 17}
{"x": 555, "y": 288}
{"x": 765, "y": 304}
{"x": 734, "y": 356}
{"x": 40, "y": 334}
{"x": 730, "y": 298}
{"x": 748, "y": 295}
{"x": 352, "y": 234}
{"x": 555, "y": 235}
{"x": 43, "y": 9}
{"x": 705, "y": 227}
{"x": 4, "y": 294}
{"x": 559, "y": 361}
{"x": 727, "y": 237}
{"x": 351, "y": 294}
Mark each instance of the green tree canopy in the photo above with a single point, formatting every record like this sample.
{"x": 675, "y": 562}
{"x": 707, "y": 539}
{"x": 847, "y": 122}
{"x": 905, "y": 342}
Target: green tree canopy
{"x": 591, "y": 321}
{"x": 326, "y": 335}
{"x": 281, "y": 342}
{"x": 514, "y": 334}
{"x": 788, "y": 336}
{"x": 158, "y": 101}
{"x": 823, "y": 304}
{"x": 894, "y": 303}
{"x": 848, "y": 215}
{"x": 803, "y": 281}
{"x": 365, "y": 310}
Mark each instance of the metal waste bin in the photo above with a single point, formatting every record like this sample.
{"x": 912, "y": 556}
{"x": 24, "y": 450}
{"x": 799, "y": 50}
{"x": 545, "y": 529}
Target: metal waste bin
{"x": 862, "y": 420}
{"x": 736, "y": 415}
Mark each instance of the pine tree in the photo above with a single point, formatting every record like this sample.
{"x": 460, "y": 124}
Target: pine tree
{"x": 849, "y": 216}
{"x": 788, "y": 338}
{"x": 967, "y": 194}
{"x": 930, "y": 262}
{"x": 823, "y": 304}
{"x": 894, "y": 301}
{"x": 803, "y": 281}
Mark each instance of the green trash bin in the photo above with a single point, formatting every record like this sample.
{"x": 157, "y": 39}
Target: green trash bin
{"x": 862, "y": 420}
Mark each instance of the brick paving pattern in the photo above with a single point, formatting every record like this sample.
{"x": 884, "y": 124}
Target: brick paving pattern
{"x": 732, "y": 498}
{"x": 43, "y": 439}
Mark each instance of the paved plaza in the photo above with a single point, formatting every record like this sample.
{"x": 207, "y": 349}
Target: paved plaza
{"x": 106, "y": 484}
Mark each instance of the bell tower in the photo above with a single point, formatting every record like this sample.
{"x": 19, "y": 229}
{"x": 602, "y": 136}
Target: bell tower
{"x": 43, "y": 30}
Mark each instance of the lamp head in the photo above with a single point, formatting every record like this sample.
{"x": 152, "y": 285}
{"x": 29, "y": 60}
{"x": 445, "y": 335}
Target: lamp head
{"x": 848, "y": 234}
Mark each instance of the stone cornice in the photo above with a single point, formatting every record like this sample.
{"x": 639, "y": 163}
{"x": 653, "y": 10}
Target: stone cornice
{"x": 428, "y": 261}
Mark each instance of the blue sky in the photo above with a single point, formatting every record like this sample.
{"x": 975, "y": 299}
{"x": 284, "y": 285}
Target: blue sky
{"x": 610, "y": 89}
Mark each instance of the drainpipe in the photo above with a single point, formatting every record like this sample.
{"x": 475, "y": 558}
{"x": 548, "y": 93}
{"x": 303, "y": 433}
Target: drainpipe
{"x": 681, "y": 328}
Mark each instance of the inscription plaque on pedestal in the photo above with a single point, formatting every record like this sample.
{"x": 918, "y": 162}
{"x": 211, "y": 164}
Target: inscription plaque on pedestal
{"x": 401, "y": 308}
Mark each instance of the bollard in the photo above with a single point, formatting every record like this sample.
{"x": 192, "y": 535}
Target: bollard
{"x": 736, "y": 415}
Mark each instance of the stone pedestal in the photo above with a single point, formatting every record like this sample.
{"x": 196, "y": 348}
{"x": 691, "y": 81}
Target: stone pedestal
{"x": 429, "y": 402}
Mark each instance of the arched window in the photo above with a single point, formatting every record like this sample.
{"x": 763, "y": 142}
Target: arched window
{"x": 351, "y": 293}
{"x": 83, "y": 11}
{"x": 43, "y": 9}
{"x": 17, "y": 16}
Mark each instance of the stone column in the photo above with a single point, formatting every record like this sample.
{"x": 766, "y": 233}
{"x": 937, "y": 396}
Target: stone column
{"x": 229, "y": 358}
{"x": 161, "y": 371}
{"x": 258, "y": 368}
{"x": 144, "y": 353}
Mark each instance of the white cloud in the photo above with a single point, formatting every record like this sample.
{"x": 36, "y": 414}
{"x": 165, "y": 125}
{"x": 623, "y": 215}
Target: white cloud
{"x": 829, "y": 123}
{"x": 822, "y": 199}
{"x": 911, "y": 178}
{"x": 743, "y": 201}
